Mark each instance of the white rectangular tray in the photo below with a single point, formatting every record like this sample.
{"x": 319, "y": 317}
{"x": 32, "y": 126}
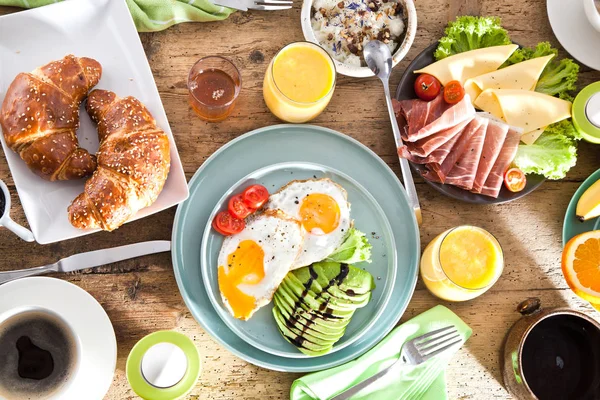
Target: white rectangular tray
{"x": 103, "y": 30}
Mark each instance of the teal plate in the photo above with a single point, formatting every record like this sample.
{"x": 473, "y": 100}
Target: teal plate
{"x": 261, "y": 330}
{"x": 572, "y": 226}
{"x": 273, "y": 145}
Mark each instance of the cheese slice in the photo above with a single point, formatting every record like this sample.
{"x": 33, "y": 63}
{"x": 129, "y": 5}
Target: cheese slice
{"x": 523, "y": 75}
{"x": 469, "y": 64}
{"x": 531, "y": 137}
{"x": 525, "y": 109}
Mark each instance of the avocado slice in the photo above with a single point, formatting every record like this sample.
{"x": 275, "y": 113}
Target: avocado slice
{"x": 302, "y": 344}
{"x": 314, "y": 300}
{"x": 308, "y": 325}
{"x": 318, "y": 322}
{"x": 323, "y": 308}
{"x": 355, "y": 279}
{"x": 308, "y": 337}
{"x": 330, "y": 298}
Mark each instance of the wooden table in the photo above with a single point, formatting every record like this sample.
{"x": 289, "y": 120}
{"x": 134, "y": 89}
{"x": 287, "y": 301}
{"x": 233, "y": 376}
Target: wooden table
{"x": 141, "y": 296}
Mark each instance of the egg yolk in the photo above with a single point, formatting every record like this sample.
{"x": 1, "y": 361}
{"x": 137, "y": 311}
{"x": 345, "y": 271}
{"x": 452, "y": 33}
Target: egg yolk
{"x": 245, "y": 266}
{"x": 319, "y": 212}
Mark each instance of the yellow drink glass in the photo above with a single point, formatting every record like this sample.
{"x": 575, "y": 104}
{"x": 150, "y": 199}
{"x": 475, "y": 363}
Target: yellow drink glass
{"x": 299, "y": 82}
{"x": 462, "y": 263}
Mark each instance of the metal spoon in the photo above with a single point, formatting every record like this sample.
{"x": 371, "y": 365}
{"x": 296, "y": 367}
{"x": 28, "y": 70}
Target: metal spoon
{"x": 7, "y": 222}
{"x": 379, "y": 59}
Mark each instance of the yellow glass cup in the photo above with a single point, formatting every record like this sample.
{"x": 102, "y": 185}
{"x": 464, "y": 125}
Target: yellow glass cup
{"x": 299, "y": 82}
{"x": 462, "y": 263}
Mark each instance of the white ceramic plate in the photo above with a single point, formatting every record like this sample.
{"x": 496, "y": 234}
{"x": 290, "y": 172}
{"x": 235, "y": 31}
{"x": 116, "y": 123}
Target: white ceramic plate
{"x": 84, "y": 315}
{"x": 361, "y": 72}
{"x": 103, "y": 30}
{"x": 574, "y": 31}
{"x": 261, "y": 330}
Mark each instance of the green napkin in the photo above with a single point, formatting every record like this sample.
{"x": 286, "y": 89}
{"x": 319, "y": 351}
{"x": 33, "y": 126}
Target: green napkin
{"x": 154, "y": 15}
{"x": 424, "y": 381}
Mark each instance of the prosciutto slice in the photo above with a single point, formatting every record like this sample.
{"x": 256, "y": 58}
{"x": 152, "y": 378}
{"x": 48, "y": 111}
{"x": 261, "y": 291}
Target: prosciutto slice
{"x": 425, "y": 147}
{"x": 464, "y": 170}
{"x": 418, "y": 113}
{"x": 494, "y": 140}
{"x": 493, "y": 183}
{"x": 448, "y": 118}
{"x": 439, "y": 170}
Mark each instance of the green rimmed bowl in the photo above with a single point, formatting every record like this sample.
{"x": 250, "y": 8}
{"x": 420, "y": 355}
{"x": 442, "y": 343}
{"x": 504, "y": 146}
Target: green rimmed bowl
{"x": 273, "y": 145}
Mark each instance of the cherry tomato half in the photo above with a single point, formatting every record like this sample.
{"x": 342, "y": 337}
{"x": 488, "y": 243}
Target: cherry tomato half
{"x": 255, "y": 196}
{"x": 238, "y": 207}
{"x": 427, "y": 87}
{"x": 453, "y": 92}
{"x": 515, "y": 180}
{"x": 226, "y": 224}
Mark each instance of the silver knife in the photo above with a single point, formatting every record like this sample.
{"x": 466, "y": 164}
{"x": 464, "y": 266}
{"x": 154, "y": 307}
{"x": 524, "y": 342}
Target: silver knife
{"x": 91, "y": 259}
{"x": 235, "y": 4}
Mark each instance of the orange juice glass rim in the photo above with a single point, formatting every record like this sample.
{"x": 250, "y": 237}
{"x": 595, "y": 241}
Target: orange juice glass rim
{"x": 442, "y": 265}
{"x": 319, "y": 48}
{"x": 238, "y": 86}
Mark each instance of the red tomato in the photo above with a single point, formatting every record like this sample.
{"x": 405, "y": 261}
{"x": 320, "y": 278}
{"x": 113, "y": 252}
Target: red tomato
{"x": 238, "y": 207}
{"x": 255, "y": 196}
{"x": 515, "y": 180}
{"x": 427, "y": 87}
{"x": 226, "y": 224}
{"x": 453, "y": 92}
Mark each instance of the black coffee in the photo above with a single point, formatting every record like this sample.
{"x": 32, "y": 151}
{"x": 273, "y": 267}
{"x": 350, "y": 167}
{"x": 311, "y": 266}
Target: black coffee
{"x": 37, "y": 355}
{"x": 561, "y": 359}
{"x": 2, "y": 203}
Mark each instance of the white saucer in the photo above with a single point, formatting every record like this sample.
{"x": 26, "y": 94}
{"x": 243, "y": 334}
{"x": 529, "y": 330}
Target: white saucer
{"x": 574, "y": 31}
{"x": 85, "y": 316}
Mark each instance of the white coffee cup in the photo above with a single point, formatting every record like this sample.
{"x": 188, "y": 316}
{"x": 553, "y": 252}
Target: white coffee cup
{"x": 592, "y": 12}
{"x": 58, "y": 391}
{"x": 7, "y": 222}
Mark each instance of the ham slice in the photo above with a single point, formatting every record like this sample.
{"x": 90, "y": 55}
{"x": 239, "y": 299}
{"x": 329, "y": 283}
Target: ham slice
{"x": 418, "y": 113}
{"x": 494, "y": 140}
{"x": 439, "y": 170}
{"x": 426, "y": 146}
{"x": 493, "y": 183}
{"x": 464, "y": 170}
{"x": 449, "y": 117}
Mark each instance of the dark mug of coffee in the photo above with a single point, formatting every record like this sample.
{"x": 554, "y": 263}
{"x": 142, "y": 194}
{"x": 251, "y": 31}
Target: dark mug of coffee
{"x": 552, "y": 354}
{"x": 39, "y": 355}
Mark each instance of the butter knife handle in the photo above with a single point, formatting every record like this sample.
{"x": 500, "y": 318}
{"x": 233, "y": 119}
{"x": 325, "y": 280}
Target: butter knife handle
{"x": 23, "y": 273}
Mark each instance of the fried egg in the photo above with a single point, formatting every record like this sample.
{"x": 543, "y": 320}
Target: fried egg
{"x": 321, "y": 207}
{"x": 253, "y": 263}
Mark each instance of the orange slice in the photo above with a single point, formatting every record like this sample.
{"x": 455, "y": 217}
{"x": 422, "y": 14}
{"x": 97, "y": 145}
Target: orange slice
{"x": 581, "y": 265}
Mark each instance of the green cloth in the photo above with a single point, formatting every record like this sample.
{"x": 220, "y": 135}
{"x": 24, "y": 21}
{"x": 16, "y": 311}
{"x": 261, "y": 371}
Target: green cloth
{"x": 154, "y": 15}
{"x": 406, "y": 382}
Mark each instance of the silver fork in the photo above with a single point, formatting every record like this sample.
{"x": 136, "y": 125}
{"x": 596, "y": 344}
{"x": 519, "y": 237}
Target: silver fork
{"x": 262, "y": 5}
{"x": 414, "y": 352}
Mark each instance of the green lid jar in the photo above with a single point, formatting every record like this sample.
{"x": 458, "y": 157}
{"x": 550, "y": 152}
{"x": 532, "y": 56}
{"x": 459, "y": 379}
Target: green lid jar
{"x": 586, "y": 113}
{"x": 164, "y": 365}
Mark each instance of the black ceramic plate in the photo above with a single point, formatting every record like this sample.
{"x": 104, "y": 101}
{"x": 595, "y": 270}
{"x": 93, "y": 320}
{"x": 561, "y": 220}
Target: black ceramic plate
{"x": 405, "y": 91}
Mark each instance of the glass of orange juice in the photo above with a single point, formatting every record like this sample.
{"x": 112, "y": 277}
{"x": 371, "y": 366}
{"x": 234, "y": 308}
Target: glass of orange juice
{"x": 299, "y": 82}
{"x": 462, "y": 263}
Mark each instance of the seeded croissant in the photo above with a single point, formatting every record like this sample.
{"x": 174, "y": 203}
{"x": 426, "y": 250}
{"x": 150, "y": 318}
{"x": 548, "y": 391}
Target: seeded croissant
{"x": 133, "y": 163}
{"x": 40, "y": 117}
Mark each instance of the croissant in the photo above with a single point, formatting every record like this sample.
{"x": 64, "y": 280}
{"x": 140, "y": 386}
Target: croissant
{"x": 133, "y": 163}
{"x": 40, "y": 117}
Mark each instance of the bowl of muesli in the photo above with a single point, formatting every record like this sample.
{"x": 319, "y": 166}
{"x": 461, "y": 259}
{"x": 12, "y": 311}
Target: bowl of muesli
{"x": 344, "y": 27}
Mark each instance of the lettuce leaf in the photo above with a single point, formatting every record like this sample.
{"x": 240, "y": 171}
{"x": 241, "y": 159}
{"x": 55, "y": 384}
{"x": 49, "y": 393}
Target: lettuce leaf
{"x": 553, "y": 154}
{"x": 470, "y": 33}
{"x": 558, "y": 78}
{"x": 356, "y": 248}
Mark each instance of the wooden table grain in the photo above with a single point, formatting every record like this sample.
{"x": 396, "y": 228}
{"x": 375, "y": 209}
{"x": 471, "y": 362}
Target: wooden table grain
{"x": 141, "y": 295}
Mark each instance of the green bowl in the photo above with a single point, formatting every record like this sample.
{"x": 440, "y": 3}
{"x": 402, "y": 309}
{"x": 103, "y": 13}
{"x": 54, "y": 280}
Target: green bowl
{"x": 589, "y": 132}
{"x": 274, "y": 145}
{"x": 572, "y": 226}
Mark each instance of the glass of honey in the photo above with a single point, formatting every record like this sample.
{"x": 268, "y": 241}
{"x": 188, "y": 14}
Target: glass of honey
{"x": 214, "y": 83}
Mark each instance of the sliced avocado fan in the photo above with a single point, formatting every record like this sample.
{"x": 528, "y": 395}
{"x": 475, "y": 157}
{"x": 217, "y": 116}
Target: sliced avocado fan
{"x": 314, "y": 304}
